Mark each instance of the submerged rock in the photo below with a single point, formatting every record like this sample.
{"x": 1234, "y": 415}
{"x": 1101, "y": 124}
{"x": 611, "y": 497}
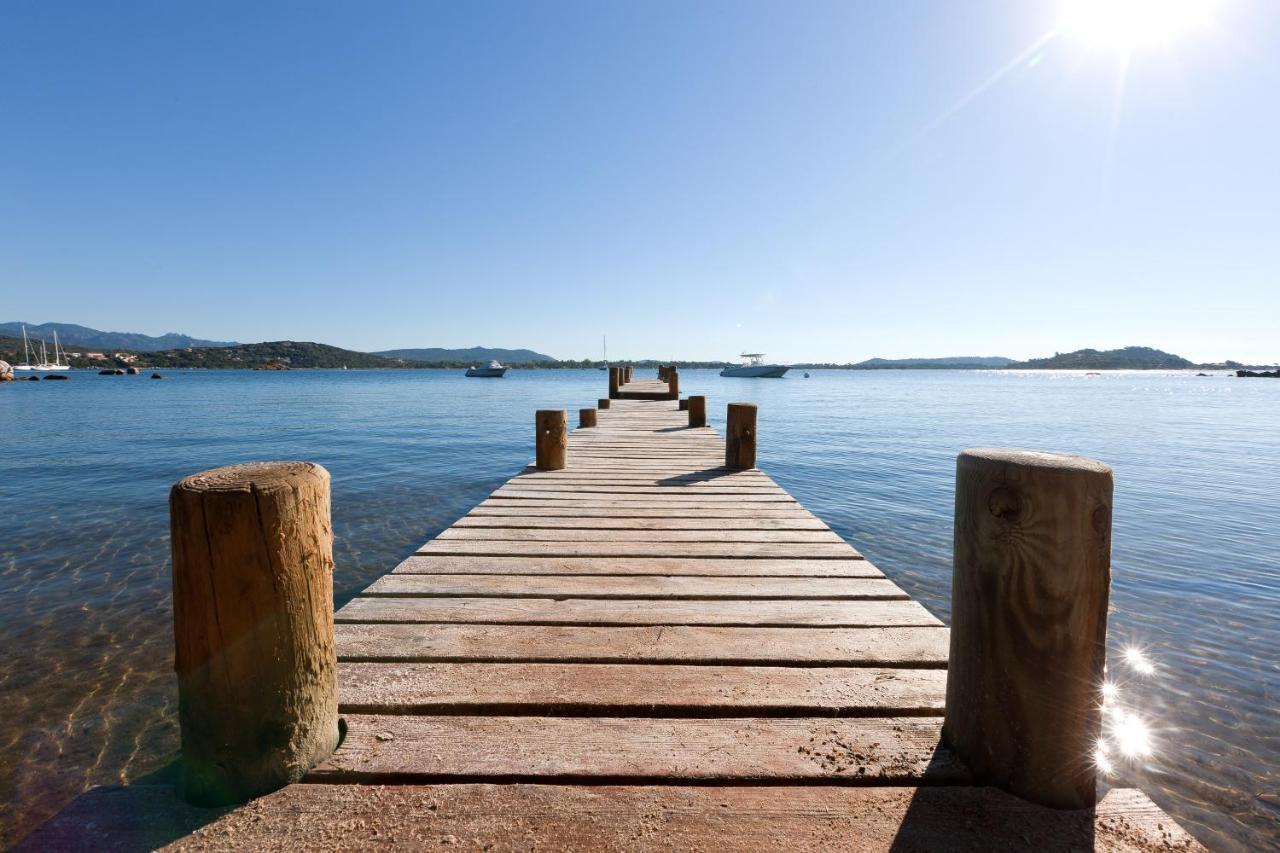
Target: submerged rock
{"x": 133, "y": 371}
{"x": 62, "y": 376}
{"x": 156, "y": 376}
{"x": 1262, "y": 374}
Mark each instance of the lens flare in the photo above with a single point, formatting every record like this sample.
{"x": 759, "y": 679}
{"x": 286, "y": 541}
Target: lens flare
{"x": 1128, "y": 24}
{"x": 1137, "y": 660}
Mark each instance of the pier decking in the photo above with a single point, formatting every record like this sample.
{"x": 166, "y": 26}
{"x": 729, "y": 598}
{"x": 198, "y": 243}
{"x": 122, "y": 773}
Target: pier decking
{"x": 644, "y": 650}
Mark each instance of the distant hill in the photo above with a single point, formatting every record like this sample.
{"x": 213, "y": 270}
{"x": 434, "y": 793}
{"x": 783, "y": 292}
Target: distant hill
{"x": 273, "y": 354}
{"x": 473, "y": 354}
{"x": 71, "y": 335}
{"x": 955, "y": 362}
{"x": 1128, "y": 358}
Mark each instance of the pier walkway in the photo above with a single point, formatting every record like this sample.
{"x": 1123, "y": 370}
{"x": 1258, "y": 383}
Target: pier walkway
{"x": 643, "y": 650}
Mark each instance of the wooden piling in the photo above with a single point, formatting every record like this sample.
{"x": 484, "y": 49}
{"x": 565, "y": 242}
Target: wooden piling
{"x": 673, "y": 384}
{"x": 602, "y": 403}
{"x": 683, "y": 405}
{"x": 740, "y": 436}
{"x": 551, "y": 442}
{"x": 697, "y": 411}
{"x": 1031, "y": 577}
{"x": 586, "y": 418}
{"x": 615, "y": 374}
{"x": 253, "y": 628}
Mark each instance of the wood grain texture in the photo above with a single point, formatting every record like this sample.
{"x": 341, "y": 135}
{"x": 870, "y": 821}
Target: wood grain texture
{"x": 731, "y": 819}
{"x": 542, "y": 611}
{"x": 742, "y": 550}
{"x": 740, "y": 436}
{"x": 550, "y": 443}
{"x": 638, "y": 690}
{"x": 253, "y": 627}
{"x": 855, "y": 567}
{"x": 907, "y": 647}
{"x": 1029, "y": 613}
{"x": 577, "y": 586}
{"x": 880, "y": 750}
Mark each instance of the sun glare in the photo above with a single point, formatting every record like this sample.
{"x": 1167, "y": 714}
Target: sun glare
{"x": 1129, "y": 24}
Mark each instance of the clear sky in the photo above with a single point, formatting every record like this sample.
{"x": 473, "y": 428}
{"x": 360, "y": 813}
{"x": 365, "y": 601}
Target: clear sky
{"x": 818, "y": 181}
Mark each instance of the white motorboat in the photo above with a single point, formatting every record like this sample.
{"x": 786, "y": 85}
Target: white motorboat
{"x": 494, "y": 371}
{"x": 44, "y": 364}
{"x": 753, "y": 367}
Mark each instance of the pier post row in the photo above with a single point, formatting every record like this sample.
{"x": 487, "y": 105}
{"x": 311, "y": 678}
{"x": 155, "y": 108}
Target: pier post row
{"x": 1031, "y": 579}
{"x": 253, "y": 628}
{"x": 697, "y": 411}
{"x": 586, "y": 418}
{"x": 740, "y": 436}
{"x": 551, "y": 441}
{"x": 702, "y": 630}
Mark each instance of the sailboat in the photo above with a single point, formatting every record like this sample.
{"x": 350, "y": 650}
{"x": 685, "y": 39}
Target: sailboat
{"x": 604, "y": 365}
{"x": 45, "y": 364}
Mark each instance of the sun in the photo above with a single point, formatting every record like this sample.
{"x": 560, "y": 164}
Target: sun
{"x": 1126, "y": 25}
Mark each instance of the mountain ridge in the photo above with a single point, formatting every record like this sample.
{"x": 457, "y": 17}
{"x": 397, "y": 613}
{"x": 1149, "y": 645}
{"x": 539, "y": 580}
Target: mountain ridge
{"x": 477, "y": 353}
{"x": 71, "y": 334}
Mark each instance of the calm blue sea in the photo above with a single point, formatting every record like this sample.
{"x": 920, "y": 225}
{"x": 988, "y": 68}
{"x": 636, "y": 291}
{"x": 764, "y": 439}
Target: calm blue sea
{"x": 86, "y": 685}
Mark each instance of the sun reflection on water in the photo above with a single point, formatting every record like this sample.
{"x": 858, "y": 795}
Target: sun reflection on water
{"x": 1125, "y": 733}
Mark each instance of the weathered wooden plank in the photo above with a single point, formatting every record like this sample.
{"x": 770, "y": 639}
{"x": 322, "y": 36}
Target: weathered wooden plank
{"x": 692, "y": 506}
{"x": 643, "y": 690}
{"x": 535, "y": 489}
{"x": 772, "y": 511}
{"x": 883, "y": 750}
{"x": 730, "y": 819}
{"x": 912, "y": 647}
{"x": 619, "y": 522}
{"x": 744, "y": 550}
{"x": 595, "y": 586}
{"x": 724, "y": 534}
{"x": 669, "y": 566}
{"x": 673, "y": 494}
{"x": 542, "y": 611}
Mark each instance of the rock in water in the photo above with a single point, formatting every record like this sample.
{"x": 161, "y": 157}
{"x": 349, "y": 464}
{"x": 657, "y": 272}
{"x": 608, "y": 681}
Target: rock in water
{"x": 156, "y": 376}
{"x": 62, "y": 376}
{"x": 6, "y": 372}
{"x": 133, "y": 371}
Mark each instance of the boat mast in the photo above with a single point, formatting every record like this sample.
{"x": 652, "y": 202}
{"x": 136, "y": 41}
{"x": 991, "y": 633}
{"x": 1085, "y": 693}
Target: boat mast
{"x": 57, "y": 356}
{"x": 26, "y": 347}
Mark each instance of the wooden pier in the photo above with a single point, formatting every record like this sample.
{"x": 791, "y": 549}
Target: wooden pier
{"x": 643, "y": 649}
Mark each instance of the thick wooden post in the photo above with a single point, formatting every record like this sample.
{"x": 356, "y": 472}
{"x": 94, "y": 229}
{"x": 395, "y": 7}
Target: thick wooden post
{"x": 1030, "y": 580}
{"x": 586, "y": 418}
{"x": 673, "y": 384}
{"x": 683, "y": 406}
{"x": 614, "y": 380}
{"x": 697, "y": 411}
{"x": 628, "y": 373}
{"x": 552, "y": 442}
{"x": 602, "y": 403}
{"x": 253, "y": 628}
{"x": 740, "y": 436}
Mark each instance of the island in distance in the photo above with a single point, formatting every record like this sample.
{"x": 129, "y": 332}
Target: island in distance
{"x": 87, "y": 347}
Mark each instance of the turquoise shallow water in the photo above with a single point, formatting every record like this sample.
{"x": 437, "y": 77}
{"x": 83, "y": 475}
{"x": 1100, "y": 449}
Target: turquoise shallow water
{"x": 86, "y": 683}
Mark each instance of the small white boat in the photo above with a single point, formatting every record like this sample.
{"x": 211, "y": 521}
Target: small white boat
{"x": 44, "y": 364}
{"x": 494, "y": 371}
{"x": 753, "y": 367}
